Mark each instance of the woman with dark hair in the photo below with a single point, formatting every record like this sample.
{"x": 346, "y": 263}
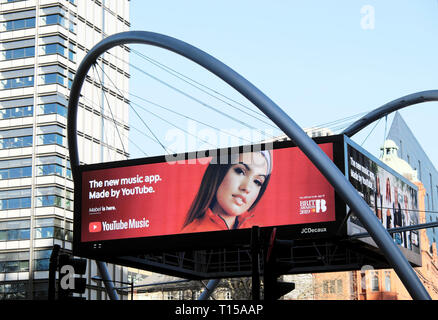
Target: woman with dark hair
{"x": 389, "y": 220}
{"x": 229, "y": 193}
{"x": 378, "y": 200}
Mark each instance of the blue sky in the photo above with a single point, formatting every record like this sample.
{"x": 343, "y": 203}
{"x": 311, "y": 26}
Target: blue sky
{"x": 318, "y": 60}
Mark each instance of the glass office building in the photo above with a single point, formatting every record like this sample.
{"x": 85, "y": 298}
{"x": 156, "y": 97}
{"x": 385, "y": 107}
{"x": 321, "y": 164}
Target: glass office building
{"x": 42, "y": 43}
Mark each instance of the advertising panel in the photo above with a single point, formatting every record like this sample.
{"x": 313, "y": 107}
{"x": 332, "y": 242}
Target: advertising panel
{"x": 276, "y": 187}
{"x": 392, "y": 198}
{"x": 212, "y": 199}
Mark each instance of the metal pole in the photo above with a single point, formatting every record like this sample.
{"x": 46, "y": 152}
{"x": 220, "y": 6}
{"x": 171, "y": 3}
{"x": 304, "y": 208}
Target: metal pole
{"x": 255, "y": 261}
{"x": 414, "y": 98}
{"x": 400, "y": 229}
{"x": 53, "y": 265}
{"x": 336, "y": 178}
{"x": 211, "y": 285}
{"x": 109, "y": 286}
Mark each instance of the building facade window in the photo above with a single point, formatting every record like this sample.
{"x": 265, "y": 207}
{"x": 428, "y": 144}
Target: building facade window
{"x": 71, "y": 26}
{"x": 49, "y": 232}
{"x": 54, "y": 197}
{"x": 363, "y": 281}
{"x": 14, "y": 266}
{"x": 53, "y": 48}
{"x": 437, "y": 193}
{"x": 16, "y": 112}
{"x": 375, "y": 282}
{"x": 17, "y": 142}
{"x": 42, "y": 260}
{"x": 14, "y": 262}
{"x": 19, "y": 82}
{"x": 42, "y": 264}
{"x": 329, "y": 286}
{"x": 53, "y": 228}
{"x": 18, "y": 24}
{"x": 325, "y": 287}
{"x": 196, "y": 294}
{"x": 52, "y": 108}
{"x": 13, "y": 291}
{"x": 53, "y": 78}
{"x": 52, "y": 19}
{"x": 52, "y": 165}
{"x": 339, "y": 286}
{"x": 50, "y": 169}
{"x": 71, "y": 76}
{"x": 18, "y": 53}
{"x": 13, "y": 0}
{"x": 387, "y": 281}
{"x": 14, "y": 173}
{"x": 15, "y": 199}
{"x": 16, "y": 203}
{"x": 49, "y": 201}
{"x": 169, "y": 295}
{"x": 15, "y": 234}
{"x": 16, "y": 168}
{"x": 71, "y": 52}
{"x": 50, "y": 138}
{"x": 15, "y": 138}
{"x": 51, "y": 134}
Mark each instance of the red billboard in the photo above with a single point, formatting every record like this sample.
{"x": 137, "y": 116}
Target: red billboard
{"x": 260, "y": 188}
{"x": 212, "y": 199}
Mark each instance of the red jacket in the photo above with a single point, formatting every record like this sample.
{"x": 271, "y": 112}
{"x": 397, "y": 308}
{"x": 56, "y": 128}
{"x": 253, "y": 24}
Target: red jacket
{"x": 213, "y": 222}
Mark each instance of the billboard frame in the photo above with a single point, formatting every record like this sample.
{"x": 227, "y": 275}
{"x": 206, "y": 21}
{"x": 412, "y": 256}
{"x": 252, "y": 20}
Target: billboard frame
{"x": 125, "y": 251}
{"x": 197, "y": 241}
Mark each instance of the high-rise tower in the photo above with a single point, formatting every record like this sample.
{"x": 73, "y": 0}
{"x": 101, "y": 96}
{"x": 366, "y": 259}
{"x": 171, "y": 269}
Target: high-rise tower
{"x": 42, "y": 43}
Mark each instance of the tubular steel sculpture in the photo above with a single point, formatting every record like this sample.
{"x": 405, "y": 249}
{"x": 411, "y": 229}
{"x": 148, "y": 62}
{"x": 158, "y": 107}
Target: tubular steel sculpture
{"x": 342, "y": 186}
{"x": 376, "y": 114}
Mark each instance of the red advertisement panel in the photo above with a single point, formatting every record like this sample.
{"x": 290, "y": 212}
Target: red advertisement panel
{"x": 268, "y": 188}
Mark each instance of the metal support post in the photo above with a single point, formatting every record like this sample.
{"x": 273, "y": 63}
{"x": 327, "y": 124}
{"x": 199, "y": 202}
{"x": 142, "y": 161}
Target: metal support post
{"x": 109, "y": 286}
{"x": 255, "y": 260}
{"x": 53, "y": 265}
{"x": 211, "y": 285}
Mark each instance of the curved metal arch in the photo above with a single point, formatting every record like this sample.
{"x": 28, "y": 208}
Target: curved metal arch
{"x": 336, "y": 178}
{"x": 376, "y": 114}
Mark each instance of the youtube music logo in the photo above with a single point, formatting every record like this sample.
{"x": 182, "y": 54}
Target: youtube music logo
{"x": 95, "y": 227}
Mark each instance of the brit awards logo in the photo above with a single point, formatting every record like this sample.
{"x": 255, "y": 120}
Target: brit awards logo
{"x": 313, "y": 204}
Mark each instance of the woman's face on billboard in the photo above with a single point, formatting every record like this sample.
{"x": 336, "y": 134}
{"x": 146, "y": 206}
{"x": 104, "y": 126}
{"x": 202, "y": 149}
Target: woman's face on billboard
{"x": 241, "y": 185}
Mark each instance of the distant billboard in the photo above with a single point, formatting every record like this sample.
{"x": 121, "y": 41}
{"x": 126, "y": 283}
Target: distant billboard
{"x": 392, "y": 197}
{"x": 189, "y": 201}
